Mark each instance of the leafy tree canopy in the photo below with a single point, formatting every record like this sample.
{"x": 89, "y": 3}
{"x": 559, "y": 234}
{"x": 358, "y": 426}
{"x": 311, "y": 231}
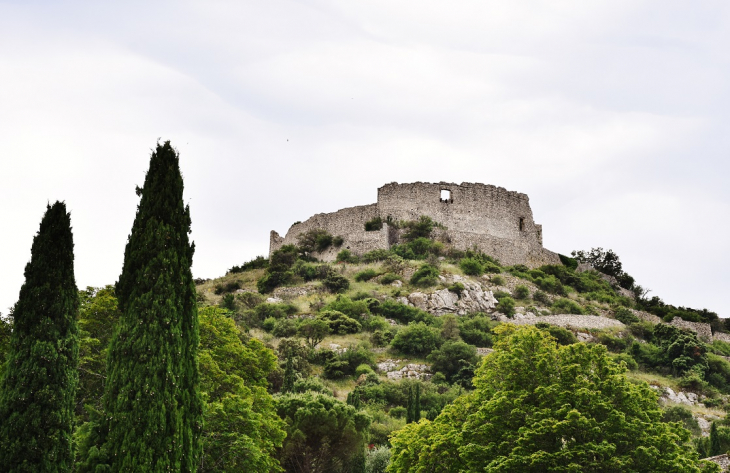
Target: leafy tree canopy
{"x": 540, "y": 407}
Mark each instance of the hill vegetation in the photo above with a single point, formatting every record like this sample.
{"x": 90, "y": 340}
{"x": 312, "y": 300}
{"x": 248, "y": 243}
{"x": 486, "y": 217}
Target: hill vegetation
{"x": 418, "y": 358}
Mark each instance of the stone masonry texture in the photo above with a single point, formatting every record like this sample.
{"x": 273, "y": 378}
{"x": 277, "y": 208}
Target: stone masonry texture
{"x": 491, "y": 219}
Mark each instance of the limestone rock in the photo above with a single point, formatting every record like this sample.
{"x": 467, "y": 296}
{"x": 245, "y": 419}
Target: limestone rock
{"x": 472, "y": 299}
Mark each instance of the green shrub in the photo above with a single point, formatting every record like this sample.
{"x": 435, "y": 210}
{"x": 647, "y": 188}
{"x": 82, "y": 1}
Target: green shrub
{"x": 389, "y": 278}
{"x": 471, "y": 266}
{"x": 349, "y": 307}
{"x": 257, "y": 263}
{"x": 501, "y": 294}
{"x": 226, "y": 287}
{"x": 285, "y": 328}
{"x": 338, "y": 241}
{"x": 541, "y": 297}
{"x": 228, "y": 302}
{"x": 397, "y": 412}
{"x": 340, "y": 323}
{"x": 363, "y": 369}
{"x": 506, "y": 305}
{"x": 310, "y": 383}
{"x": 452, "y": 357}
{"x": 562, "y": 305}
{"x": 625, "y": 316}
{"x": 416, "y": 339}
{"x": 477, "y": 330}
{"x": 381, "y": 338}
{"x": 425, "y": 276}
{"x": 374, "y": 224}
{"x": 570, "y": 263}
{"x": 346, "y": 256}
{"x": 614, "y": 344}
{"x": 627, "y": 359}
{"x": 642, "y": 329}
{"x": 683, "y": 415}
{"x": 268, "y": 324}
{"x": 457, "y": 288}
{"x": 365, "y": 275}
{"x": 490, "y": 267}
{"x": 562, "y": 335}
{"x": 404, "y": 313}
{"x": 249, "y": 299}
{"x": 420, "y": 228}
{"x": 497, "y": 280}
{"x": 521, "y": 292}
{"x": 336, "y": 283}
{"x": 376, "y": 255}
{"x": 314, "y": 240}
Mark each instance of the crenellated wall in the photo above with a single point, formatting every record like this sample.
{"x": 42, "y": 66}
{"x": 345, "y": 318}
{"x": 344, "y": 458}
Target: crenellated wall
{"x": 492, "y": 219}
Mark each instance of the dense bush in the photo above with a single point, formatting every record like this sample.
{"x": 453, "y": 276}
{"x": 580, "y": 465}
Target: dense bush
{"x": 471, "y": 266}
{"x": 416, "y": 339}
{"x": 426, "y": 275}
{"x": 336, "y": 283}
{"x": 497, "y": 280}
{"x": 683, "y": 415}
{"x": 562, "y": 335}
{"x": 506, "y": 305}
{"x": 403, "y": 313}
{"x": 389, "y": 278}
{"x": 563, "y": 305}
{"x": 477, "y": 330}
{"x": 314, "y": 240}
{"x": 418, "y": 249}
{"x": 366, "y": 275}
{"x": 521, "y": 292}
{"x": 285, "y": 328}
{"x": 627, "y": 359}
{"x": 346, "y": 256}
{"x": 340, "y": 323}
{"x": 420, "y": 228}
{"x": 540, "y": 296}
{"x": 374, "y": 224}
{"x": 257, "y": 263}
{"x": 453, "y": 358}
{"x": 376, "y": 255}
{"x": 228, "y": 286}
{"x": 349, "y": 307}
{"x": 625, "y": 316}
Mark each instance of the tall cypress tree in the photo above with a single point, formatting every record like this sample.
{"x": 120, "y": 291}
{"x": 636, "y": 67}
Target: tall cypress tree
{"x": 38, "y": 387}
{"x": 152, "y": 399}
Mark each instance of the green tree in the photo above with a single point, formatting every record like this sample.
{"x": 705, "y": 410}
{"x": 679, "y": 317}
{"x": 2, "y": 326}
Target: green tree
{"x": 540, "y": 407}
{"x": 452, "y": 357}
{"x": 714, "y": 441}
{"x": 39, "y": 384}
{"x": 152, "y": 399}
{"x": 98, "y": 314}
{"x": 324, "y": 435}
{"x": 450, "y": 327}
{"x": 242, "y": 430}
{"x": 6, "y": 329}
{"x": 288, "y": 385}
{"x": 417, "y": 339}
{"x": 313, "y": 331}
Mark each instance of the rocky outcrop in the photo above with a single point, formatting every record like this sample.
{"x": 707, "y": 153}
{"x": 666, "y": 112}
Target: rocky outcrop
{"x": 472, "y": 299}
{"x": 722, "y": 460}
{"x": 410, "y": 370}
{"x": 680, "y": 397}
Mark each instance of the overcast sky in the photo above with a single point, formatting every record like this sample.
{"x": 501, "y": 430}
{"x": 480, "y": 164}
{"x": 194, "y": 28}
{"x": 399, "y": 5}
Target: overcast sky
{"x": 613, "y": 116}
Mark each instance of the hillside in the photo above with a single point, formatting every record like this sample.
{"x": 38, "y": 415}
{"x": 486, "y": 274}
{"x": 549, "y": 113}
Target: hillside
{"x": 424, "y": 314}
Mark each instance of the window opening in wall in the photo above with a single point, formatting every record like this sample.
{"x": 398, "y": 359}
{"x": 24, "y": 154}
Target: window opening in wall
{"x": 446, "y": 196}
{"x": 522, "y": 224}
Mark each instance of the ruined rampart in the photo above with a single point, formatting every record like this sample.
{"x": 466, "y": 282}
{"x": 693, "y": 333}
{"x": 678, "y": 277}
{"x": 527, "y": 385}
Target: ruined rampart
{"x": 492, "y": 219}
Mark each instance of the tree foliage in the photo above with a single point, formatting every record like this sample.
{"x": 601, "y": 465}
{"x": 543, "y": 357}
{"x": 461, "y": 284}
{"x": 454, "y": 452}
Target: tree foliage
{"x": 242, "y": 429}
{"x": 324, "y": 435}
{"x": 152, "y": 399}
{"x": 39, "y": 384}
{"x": 540, "y": 407}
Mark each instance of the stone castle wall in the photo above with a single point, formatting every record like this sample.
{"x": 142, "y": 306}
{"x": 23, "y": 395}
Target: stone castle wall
{"x": 492, "y": 219}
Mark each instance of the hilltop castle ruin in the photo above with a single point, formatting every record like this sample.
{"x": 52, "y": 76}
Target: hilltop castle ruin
{"x": 491, "y": 219}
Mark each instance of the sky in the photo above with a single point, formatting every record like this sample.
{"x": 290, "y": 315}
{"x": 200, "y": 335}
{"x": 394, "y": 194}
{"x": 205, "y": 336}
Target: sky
{"x": 613, "y": 116}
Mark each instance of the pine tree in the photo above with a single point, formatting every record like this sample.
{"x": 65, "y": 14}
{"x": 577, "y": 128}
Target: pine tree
{"x": 288, "y": 385}
{"x": 714, "y": 441}
{"x": 38, "y": 387}
{"x": 409, "y": 406}
{"x": 417, "y": 404}
{"x": 152, "y": 399}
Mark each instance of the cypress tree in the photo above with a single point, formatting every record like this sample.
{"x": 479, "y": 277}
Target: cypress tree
{"x": 417, "y": 404}
{"x": 714, "y": 441}
{"x": 152, "y": 399}
{"x": 409, "y": 406}
{"x": 288, "y": 385}
{"x": 38, "y": 387}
